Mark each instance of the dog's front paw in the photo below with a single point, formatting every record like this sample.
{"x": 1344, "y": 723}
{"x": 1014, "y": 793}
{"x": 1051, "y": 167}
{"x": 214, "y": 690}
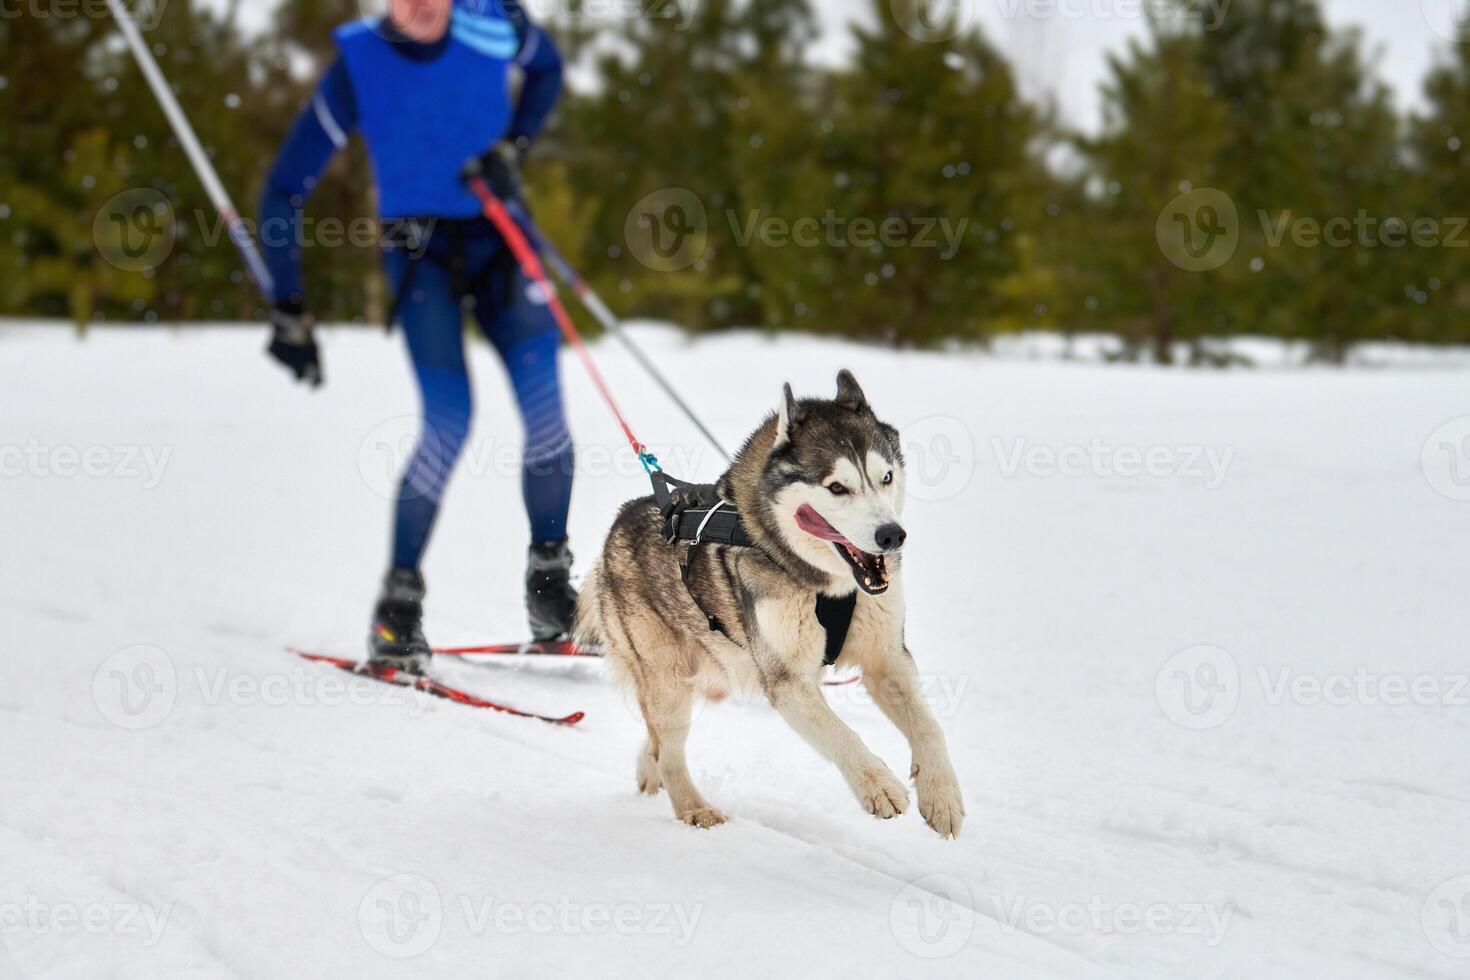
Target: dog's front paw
{"x": 940, "y": 802}
{"x": 703, "y": 817}
{"x": 880, "y": 792}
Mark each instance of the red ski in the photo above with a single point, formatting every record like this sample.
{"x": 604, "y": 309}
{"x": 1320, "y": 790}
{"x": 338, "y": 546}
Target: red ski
{"x": 392, "y": 675}
{"x": 565, "y": 648}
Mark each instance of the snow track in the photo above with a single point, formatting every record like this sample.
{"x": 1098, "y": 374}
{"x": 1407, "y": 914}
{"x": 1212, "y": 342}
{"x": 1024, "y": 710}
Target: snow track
{"x": 1172, "y": 700}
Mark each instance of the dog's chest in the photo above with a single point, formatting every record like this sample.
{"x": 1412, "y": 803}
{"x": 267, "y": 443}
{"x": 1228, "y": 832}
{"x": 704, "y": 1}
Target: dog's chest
{"x": 790, "y": 624}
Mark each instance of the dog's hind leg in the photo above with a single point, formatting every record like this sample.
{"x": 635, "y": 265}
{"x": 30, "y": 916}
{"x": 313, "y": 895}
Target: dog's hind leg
{"x": 668, "y": 712}
{"x": 649, "y": 781}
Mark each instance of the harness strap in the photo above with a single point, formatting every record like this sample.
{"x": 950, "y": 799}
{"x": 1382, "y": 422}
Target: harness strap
{"x": 715, "y": 626}
{"x": 835, "y": 615}
{"x": 695, "y": 515}
{"x": 699, "y": 531}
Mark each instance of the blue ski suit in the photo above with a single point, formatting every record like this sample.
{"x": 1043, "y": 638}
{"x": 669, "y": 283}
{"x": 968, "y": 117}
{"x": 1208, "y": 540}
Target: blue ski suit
{"x": 423, "y": 111}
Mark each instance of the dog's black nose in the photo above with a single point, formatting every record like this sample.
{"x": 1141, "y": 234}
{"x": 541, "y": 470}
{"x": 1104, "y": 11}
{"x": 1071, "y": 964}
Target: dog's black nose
{"x": 890, "y": 537}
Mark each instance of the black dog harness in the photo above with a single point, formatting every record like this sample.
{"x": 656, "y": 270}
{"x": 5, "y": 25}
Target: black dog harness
{"x": 696, "y": 514}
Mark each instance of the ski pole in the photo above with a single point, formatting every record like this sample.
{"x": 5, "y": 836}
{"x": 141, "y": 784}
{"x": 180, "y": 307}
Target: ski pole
{"x": 530, "y": 264}
{"x": 218, "y": 196}
{"x": 609, "y": 321}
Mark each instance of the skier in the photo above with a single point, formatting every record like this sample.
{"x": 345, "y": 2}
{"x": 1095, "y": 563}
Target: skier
{"x": 428, "y": 87}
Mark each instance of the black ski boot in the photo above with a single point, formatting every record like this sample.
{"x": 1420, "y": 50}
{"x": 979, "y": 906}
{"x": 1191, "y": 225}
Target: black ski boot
{"x": 550, "y": 598}
{"x": 397, "y": 639}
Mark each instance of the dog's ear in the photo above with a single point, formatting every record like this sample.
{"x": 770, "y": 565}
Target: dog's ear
{"x": 849, "y": 394}
{"x": 786, "y": 416}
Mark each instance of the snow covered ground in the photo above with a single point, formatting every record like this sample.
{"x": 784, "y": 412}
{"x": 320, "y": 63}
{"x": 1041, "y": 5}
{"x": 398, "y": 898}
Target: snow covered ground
{"x": 1197, "y": 639}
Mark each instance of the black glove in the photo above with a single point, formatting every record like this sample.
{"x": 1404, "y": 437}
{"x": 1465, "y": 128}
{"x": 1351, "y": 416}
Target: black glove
{"x": 293, "y": 344}
{"x": 500, "y": 168}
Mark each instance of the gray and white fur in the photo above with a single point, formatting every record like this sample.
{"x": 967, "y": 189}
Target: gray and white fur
{"x": 820, "y": 487}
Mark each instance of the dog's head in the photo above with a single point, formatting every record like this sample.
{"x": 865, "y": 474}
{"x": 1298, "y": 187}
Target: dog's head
{"x": 835, "y": 479}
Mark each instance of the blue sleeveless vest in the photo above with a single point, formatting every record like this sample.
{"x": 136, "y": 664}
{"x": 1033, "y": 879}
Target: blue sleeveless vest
{"x": 423, "y": 119}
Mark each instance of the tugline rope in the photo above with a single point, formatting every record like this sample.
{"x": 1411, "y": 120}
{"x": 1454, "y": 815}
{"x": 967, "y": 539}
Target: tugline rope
{"x": 530, "y": 264}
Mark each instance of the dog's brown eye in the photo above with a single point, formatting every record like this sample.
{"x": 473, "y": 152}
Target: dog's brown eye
{"x": 887, "y": 478}
{"x": 837, "y": 489}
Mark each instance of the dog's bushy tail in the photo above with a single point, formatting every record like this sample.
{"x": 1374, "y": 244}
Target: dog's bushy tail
{"x": 587, "y": 628}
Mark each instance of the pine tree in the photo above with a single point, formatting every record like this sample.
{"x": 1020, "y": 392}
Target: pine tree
{"x": 345, "y": 282}
{"x": 1163, "y": 132}
{"x": 664, "y": 119}
{"x": 1439, "y": 142}
{"x": 926, "y": 141}
{"x": 1312, "y": 136}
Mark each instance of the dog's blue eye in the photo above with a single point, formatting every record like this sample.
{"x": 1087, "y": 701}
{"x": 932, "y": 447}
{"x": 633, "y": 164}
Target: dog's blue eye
{"x": 887, "y": 478}
{"x": 837, "y": 489}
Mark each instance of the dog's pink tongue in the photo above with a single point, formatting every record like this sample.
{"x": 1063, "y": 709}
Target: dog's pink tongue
{"x": 814, "y": 524}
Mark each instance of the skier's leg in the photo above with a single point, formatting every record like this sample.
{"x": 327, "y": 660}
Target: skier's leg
{"x": 525, "y": 335}
{"x": 433, "y": 328}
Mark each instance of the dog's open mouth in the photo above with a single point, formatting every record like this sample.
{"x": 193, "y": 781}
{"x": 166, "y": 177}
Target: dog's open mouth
{"x": 869, "y": 571}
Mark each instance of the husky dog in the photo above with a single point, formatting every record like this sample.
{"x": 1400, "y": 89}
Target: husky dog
{"x": 819, "y": 487}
